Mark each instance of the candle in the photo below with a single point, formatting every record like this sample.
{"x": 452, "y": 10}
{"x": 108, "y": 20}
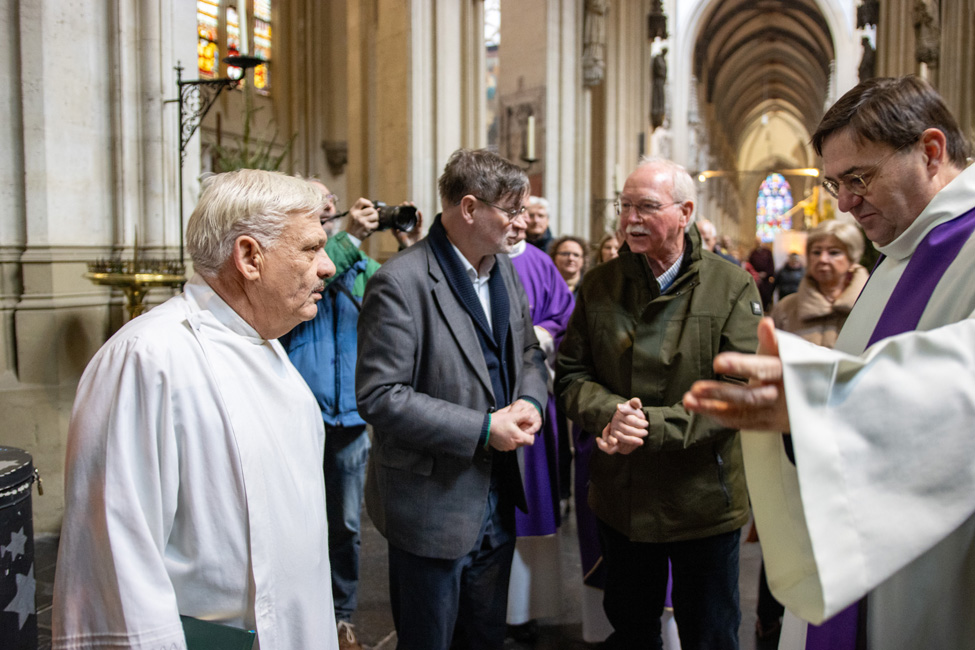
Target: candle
{"x": 618, "y": 179}
{"x": 530, "y": 138}
{"x": 242, "y": 24}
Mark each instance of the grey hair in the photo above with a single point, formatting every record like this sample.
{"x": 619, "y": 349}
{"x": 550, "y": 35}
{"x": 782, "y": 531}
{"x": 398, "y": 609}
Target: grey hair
{"x": 846, "y": 233}
{"x": 483, "y": 174}
{"x": 684, "y": 187}
{"x": 538, "y": 200}
{"x": 245, "y": 202}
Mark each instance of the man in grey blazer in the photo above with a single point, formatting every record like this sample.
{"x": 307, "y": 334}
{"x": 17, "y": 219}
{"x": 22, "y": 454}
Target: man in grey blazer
{"x": 452, "y": 380}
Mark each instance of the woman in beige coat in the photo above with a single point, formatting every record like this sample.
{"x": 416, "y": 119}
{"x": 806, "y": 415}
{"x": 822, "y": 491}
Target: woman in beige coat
{"x": 833, "y": 281}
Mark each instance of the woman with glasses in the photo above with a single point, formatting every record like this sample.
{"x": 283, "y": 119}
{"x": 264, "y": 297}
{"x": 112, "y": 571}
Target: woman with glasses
{"x": 569, "y": 255}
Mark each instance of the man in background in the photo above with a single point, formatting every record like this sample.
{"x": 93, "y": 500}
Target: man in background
{"x": 323, "y": 350}
{"x": 538, "y": 232}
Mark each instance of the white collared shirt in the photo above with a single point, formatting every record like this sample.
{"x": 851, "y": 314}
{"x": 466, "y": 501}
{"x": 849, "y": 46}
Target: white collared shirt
{"x": 479, "y": 279}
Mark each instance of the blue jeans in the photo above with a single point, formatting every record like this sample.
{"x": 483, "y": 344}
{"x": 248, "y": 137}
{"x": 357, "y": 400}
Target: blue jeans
{"x": 704, "y": 594}
{"x": 346, "y": 456}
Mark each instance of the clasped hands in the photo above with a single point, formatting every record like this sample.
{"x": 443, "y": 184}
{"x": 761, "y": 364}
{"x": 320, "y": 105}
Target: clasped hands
{"x": 514, "y": 426}
{"x": 626, "y": 431}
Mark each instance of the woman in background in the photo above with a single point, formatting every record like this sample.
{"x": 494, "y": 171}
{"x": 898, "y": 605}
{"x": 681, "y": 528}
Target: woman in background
{"x": 569, "y": 255}
{"x": 606, "y": 249}
{"x": 833, "y": 280}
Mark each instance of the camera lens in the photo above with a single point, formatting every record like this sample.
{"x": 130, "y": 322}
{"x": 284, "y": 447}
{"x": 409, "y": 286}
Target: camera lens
{"x": 398, "y": 217}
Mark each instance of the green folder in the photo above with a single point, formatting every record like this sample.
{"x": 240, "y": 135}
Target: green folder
{"x": 203, "y": 635}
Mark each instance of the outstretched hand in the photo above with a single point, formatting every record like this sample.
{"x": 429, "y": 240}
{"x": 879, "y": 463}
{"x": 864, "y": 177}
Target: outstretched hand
{"x": 758, "y": 406}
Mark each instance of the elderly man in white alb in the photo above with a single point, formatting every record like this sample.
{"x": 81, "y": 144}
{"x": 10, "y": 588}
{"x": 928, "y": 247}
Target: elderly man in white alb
{"x": 880, "y": 500}
{"x": 193, "y": 480}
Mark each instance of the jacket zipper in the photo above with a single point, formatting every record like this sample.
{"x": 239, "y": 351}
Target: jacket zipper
{"x": 724, "y": 487}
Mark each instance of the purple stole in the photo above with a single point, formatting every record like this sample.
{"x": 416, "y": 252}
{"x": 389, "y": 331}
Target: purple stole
{"x": 902, "y": 313}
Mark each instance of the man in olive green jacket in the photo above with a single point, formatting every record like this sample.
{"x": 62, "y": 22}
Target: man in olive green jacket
{"x": 645, "y": 327}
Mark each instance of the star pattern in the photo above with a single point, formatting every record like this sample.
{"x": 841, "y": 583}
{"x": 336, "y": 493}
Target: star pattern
{"x": 16, "y": 546}
{"x": 7, "y": 464}
{"x": 23, "y": 600}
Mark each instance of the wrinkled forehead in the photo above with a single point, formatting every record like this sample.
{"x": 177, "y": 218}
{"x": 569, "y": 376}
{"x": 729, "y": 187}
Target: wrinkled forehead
{"x": 648, "y": 182}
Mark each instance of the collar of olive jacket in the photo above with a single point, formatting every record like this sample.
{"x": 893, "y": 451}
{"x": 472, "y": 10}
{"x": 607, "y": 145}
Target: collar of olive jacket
{"x": 638, "y": 266}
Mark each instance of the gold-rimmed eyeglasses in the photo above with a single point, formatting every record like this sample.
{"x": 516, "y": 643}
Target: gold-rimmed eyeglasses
{"x": 645, "y": 209}
{"x": 512, "y": 213}
{"x": 856, "y": 184}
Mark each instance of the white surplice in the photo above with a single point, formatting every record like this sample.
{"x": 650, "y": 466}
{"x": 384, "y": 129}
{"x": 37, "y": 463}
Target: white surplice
{"x": 193, "y": 486}
{"x": 882, "y": 496}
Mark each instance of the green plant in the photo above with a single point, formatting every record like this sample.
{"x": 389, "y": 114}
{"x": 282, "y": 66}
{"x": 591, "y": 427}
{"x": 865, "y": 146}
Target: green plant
{"x": 247, "y": 152}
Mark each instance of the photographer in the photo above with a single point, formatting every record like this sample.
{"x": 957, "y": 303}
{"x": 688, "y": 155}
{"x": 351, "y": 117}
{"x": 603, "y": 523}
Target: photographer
{"x": 324, "y": 352}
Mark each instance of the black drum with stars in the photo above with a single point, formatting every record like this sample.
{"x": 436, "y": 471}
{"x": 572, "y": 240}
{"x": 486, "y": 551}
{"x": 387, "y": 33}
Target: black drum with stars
{"x": 18, "y": 614}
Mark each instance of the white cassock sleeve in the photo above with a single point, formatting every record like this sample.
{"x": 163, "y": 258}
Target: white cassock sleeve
{"x": 121, "y": 486}
{"x": 885, "y": 464}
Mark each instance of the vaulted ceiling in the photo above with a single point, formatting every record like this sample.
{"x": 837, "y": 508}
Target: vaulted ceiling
{"x": 762, "y": 57}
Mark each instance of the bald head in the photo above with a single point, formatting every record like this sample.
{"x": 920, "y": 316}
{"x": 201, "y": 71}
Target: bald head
{"x": 709, "y": 234}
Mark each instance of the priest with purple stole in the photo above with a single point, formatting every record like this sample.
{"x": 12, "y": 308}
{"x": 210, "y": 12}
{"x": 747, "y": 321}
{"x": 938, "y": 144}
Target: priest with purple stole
{"x": 535, "y": 584}
{"x": 868, "y": 522}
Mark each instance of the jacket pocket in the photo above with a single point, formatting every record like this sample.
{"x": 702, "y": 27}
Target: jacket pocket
{"x": 406, "y": 460}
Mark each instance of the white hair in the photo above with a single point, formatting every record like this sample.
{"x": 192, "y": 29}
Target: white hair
{"x": 683, "y": 184}
{"x": 245, "y": 202}
{"x": 537, "y": 200}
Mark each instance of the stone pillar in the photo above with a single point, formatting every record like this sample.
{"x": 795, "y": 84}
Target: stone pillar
{"x": 87, "y": 162}
{"x": 416, "y": 94}
{"x": 895, "y": 39}
{"x": 957, "y": 71}
{"x": 13, "y": 227}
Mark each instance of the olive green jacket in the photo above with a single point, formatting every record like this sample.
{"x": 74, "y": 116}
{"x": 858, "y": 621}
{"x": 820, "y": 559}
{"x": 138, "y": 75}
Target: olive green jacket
{"x": 626, "y": 339}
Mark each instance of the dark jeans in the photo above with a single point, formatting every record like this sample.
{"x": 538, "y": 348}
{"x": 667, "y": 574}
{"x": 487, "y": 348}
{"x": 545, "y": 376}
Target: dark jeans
{"x": 460, "y": 604}
{"x": 769, "y": 610}
{"x": 704, "y": 593}
{"x": 346, "y": 456}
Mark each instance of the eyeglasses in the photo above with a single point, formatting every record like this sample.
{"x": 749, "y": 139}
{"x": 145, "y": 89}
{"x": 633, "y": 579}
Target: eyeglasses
{"x": 332, "y": 198}
{"x": 857, "y": 183}
{"x": 645, "y": 209}
{"x": 571, "y": 254}
{"x": 513, "y": 213}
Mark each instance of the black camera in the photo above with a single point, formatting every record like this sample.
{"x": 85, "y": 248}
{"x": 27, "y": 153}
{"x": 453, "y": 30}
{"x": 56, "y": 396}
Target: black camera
{"x": 398, "y": 217}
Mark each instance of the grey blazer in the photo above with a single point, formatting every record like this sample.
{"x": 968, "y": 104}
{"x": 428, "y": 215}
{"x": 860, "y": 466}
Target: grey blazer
{"x": 422, "y": 383}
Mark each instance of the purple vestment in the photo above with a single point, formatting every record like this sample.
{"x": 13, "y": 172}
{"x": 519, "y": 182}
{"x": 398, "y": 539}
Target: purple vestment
{"x": 928, "y": 264}
{"x": 551, "y": 305}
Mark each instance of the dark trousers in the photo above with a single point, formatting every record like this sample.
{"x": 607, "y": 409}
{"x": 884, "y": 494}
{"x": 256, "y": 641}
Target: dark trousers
{"x": 704, "y": 593}
{"x": 461, "y": 604}
{"x": 769, "y": 610}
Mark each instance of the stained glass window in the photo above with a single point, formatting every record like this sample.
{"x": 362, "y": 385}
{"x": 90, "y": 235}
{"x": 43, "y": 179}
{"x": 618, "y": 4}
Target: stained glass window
{"x": 211, "y": 17}
{"x": 492, "y": 41}
{"x": 774, "y": 202}
{"x": 233, "y": 39}
{"x": 207, "y": 50}
{"x": 262, "y": 44}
